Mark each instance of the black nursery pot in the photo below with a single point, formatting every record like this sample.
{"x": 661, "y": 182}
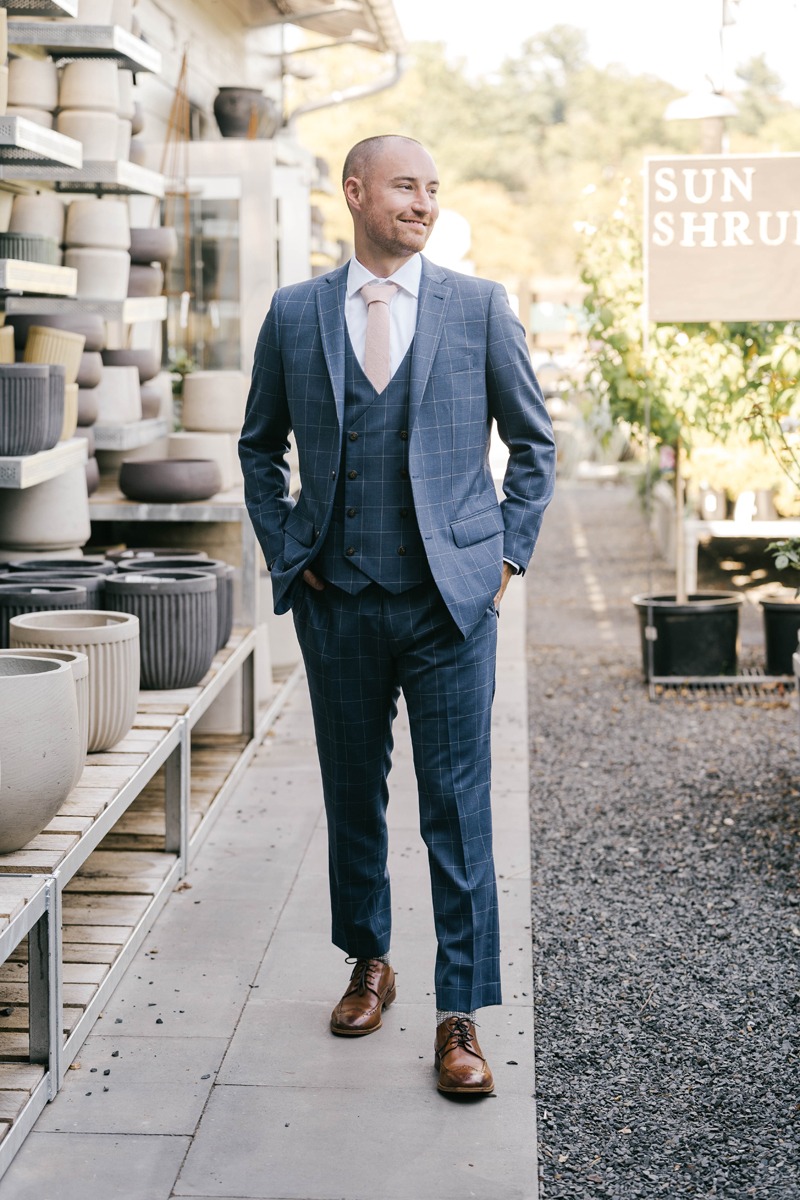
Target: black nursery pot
{"x": 177, "y": 613}
{"x": 17, "y": 598}
{"x": 781, "y": 630}
{"x": 700, "y": 637}
{"x": 222, "y": 571}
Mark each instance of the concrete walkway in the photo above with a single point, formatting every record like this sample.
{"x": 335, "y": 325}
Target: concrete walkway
{"x": 212, "y": 1072}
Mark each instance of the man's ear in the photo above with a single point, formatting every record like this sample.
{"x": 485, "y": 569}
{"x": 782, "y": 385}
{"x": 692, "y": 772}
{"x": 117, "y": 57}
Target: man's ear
{"x": 353, "y": 192}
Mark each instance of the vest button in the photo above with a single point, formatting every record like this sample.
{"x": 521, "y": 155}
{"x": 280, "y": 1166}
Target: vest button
{"x": 352, "y": 474}
{"x": 353, "y": 437}
{"x": 333, "y": 474}
{"x": 316, "y": 534}
{"x": 351, "y": 512}
{"x": 350, "y": 551}
{"x": 404, "y": 434}
{"x": 401, "y": 549}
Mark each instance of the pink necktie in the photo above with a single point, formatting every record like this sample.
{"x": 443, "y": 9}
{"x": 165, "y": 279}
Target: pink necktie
{"x": 377, "y": 359}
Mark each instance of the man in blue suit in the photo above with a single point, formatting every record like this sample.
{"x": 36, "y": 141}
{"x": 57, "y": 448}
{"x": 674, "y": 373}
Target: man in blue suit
{"x": 394, "y": 558}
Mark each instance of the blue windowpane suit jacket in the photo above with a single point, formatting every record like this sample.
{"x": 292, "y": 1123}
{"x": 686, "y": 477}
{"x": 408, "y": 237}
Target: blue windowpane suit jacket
{"x": 469, "y": 365}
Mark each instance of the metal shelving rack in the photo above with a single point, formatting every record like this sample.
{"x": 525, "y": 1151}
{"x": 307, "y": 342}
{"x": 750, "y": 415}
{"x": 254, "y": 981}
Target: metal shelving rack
{"x": 65, "y": 40}
{"x": 27, "y": 145}
{"x": 104, "y": 178}
{"x": 22, "y": 275}
{"x": 23, "y": 471}
{"x": 130, "y": 435}
{"x": 40, "y": 8}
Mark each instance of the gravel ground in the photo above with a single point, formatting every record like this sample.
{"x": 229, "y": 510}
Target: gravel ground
{"x": 666, "y": 901}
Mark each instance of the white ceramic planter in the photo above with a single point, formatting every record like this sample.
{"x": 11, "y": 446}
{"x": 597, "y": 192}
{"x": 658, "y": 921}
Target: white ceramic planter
{"x": 39, "y": 212}
{"x": 106, "y": 12}
{"x": 3, "y": 35}
{"x": 52, "y": 515}
{"x": 3, "y": 87}
{"x": 214, "y": 401}
{"x": 38, "y": 115}
{"x": 102, "y": 274}
{"x": 79, "y": 665}
{"x": 123, "y": 139}
{"x": 40, "y": 749}
{"x": 118, "y": 397}
{"x": 219, "y": 446}
{"x": 90, "y": 83}
{"x": 47, "y": 345}
{"x": 33, "y": 83}
{"x": 97, "y": 131}
{"x": 98, "y": 223}
{"x": 110, "y": 640}
{"x": 126, "y": 101}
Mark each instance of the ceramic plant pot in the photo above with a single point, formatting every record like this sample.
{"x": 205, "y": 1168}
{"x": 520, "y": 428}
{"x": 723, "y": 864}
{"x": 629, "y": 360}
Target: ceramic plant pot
{"x": 698, "y": 637}
{"x": 214, "y": 401}
{"x": 177, "y": 611}
{"x": 39, "y": 116}
{"x": 147, "y": 362}
{"x": 97, "y": 131}
{"x": 40, "y": 709}
{"x": 79, "y": 665}
{"x": 169, "y": 481}
{"x": 57, "y": 346}
{"x": 16, "y": 598}
{"x": 157, "y": 245}
{"x": 106, "y": 12}
{"x": 245, "y": 112}
{"x": 33, "y": 83}
{"x": 151, "y": 402}
{"x": 98, "y": 223}
{"x": 146, "y": 281}
{"x": 90, "y": 83}
{"x": 53, "y": 515}
{"x": 30, "y": 247}
{"x": 148, "y": 553}
{"x": 137, "y": 124}
{"x": 25, "y": 406}
{"x": 223, "y": 573}
{"x": 87, "y": 433}
{"x": 219, "y": 446}
{"x": 102, "y": 274}
{"x": 93, "y": 582}
{"x": 40, "y": 212}
{"x": 123, "y": 139}
{"x": 3, "y": 87}
{"x": 7, "y": 355}
{"x": 118, "y": 397}
{"x": 126, "y": 101}
{"x": 92, "y": 475}
{"x": 90, "y": 371}
{"x": 110, "y": 640}
{"x": 57, "y": 392}
{"x": 90, "y": 325}
{"x": 70, "y": 425}
{"x": 97, "y": 564}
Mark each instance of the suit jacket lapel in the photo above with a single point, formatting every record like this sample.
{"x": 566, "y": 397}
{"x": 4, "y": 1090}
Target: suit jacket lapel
{"x": 434, "y": 296}
{"x": 330, "y": 313}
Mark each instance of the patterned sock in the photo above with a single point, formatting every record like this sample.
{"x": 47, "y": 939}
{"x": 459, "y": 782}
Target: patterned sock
{"x": 384, "y": 958}
{"x": 442, "y": 1015}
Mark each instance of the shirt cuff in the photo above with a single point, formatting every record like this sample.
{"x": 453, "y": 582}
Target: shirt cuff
{"x": 517, "y": 569}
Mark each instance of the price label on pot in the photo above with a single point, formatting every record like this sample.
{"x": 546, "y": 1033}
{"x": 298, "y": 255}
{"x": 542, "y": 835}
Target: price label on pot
{"x": 722, "y": 238}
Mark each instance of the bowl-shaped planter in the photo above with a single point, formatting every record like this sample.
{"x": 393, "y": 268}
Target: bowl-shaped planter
{"x": 33, "y": 83}
{"x": 98, "y": 131}
{"x": 30, "y": 247}
{"x": 218, "y": 446}
{"x": 177, "y": 611}
{"x": 146, "y": 361}
{"x": 79, "y": 665}
{"x": 25, "y": 409}
{"x": 102, "y": 274}
{"x": 110, "y": 640}
{"x": 169, "y": 481}
{"x": 39, "y": 212}
{"x": 696, "y": 638}
{"x": 214, "y": 401}
{"x": 17, "y": 598}
{"x": 153, "y": 245}
{"x": 53, "y": 515}
{"x": 93, "y": 582}
{"x": 90, "y": 325}
{"x": 57, "y": 346}
{"x": 40, "y": 746}
{"x": 243, "y": 112}
{"x": 90, "y": 83}
{"x": 223, "y": 573}
{"x": 90, "y": 371}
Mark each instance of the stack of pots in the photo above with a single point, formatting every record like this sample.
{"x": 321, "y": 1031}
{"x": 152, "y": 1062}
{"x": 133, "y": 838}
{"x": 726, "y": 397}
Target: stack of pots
{"x": 212, "y": 418}
{"x": 3, "y": 62}
{"x": 40, "y": 706}
{"x": 98, "y": 239}
{"x": 33, "y": 89}
{"x": 90, "y": 101}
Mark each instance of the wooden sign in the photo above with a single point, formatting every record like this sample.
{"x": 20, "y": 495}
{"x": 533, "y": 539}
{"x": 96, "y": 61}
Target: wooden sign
{"x": 722, "y": 238}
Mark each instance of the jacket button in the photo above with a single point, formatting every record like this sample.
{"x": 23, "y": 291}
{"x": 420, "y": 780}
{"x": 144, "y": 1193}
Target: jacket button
{"x": 351, "y": 512}
{"x": 404, "y": 434}
{"x": 401, "y": 549}
{"x": 403, "y": 512}
{"x": 333, "y": 474}
{"x": 353, "y": 437}
{"x": 352, "y": 474}
{"x": 316, "y": 534}
{"x": 350, "y": 551}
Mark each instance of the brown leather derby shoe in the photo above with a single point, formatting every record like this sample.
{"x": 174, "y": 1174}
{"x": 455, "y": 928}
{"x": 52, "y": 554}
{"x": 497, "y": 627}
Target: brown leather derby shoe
{"x": 371, "y": 989}
{"x": 459, "y": 1059}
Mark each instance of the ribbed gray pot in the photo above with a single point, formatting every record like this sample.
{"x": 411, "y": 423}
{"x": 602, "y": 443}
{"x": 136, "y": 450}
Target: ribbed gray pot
{"x": 95, "y": 563}
{"x": 25, "y": 408}
{"x": 93, "y": 581}
{"x": 145, "y": 553}
{"x": 18, "y": 598}
{"x": 29, "y": 247}
{"x": 57, "y": 373}
{"x": 223, "y": 573}
{"x": 177, "y": 614}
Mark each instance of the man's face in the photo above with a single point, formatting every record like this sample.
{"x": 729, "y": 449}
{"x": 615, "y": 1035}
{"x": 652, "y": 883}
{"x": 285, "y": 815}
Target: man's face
{"x": 398, "y": 199}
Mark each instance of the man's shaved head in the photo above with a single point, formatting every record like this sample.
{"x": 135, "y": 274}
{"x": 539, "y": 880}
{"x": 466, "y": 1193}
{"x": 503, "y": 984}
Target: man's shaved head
{"x": 361, "y": 158}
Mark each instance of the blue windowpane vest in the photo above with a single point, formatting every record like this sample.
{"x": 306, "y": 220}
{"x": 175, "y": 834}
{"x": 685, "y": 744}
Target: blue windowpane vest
{"x": 374, "y": 536}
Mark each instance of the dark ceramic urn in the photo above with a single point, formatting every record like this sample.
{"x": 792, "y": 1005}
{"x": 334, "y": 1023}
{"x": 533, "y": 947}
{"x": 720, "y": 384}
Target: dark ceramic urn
{"x": 242, "y": 112}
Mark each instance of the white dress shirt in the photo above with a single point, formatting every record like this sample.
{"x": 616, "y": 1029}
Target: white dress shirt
{"x": 402, "y": 310}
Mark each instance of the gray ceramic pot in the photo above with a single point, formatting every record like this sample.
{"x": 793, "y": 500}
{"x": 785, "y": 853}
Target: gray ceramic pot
{"x": 177, "y": 613}
{"x": 96, "y": 563}
{"x": 92, "y": 326}
{"x": 90, "y": 371}
{"x": 18, "y": 598}
{"x": 153, "y": 245}
{"x": 88, "y": 407}
{"x": 223, "y": 573}
{"x": 57, "y": 381}
{"x": 145, "y": 281}
{"x": 29, "y": 247}
{"x": 147, "y": 362}
{"x": 25, "y": 409}
{"x": 94, "y": 583}
{"x": 169, "y": 480}
{"x": 145, "y": 553}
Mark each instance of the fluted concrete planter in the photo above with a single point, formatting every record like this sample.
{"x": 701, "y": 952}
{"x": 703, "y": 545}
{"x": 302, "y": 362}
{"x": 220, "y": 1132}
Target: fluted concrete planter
{"x": 93, "y": 582}
{"x": 56, "y": 389}
{"x": 223, "y": 573}
{"x": 102, "y": 274}
{"x": 40, "y": 709}
{"x": 79, "y": 665}
{"x": 53, "y": 515}
{"x": 97, "y": 564}
{"x": 91, "y": 325}
{"x": 214, "y": 401}
{"x": 178, "y": 614}
{"x": 146, "y": 554}
{"x": 90, "y": 83}
{"x": 56, "y": 346}
{"x": 110, "y": 640}
{"x": 17, "y": 598}
{"x": 25, "y": 409}
{"x": 39, "y": 212}
{"x": 30, "y": 247}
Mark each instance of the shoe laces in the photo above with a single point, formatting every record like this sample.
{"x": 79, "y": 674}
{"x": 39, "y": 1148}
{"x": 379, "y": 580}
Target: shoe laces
{"x": 460, "y": 1034}
{"x": 364, "y": 971}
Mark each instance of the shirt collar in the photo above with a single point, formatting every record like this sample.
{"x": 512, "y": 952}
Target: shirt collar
{"x": 406, "y": 277}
